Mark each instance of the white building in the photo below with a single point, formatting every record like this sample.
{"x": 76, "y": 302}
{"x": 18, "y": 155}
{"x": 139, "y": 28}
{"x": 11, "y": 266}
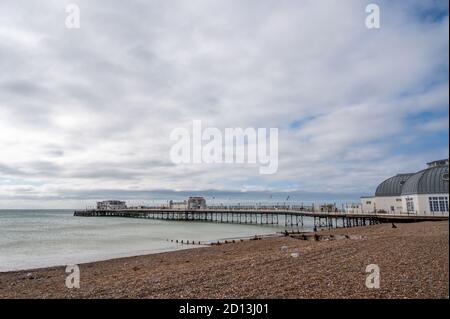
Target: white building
{"x": 196, "y": 202}
{"x": 192, "y": 203}
{"x": 178, "y": 205}
{"x": 388, "y": 195}
{"x": 353, "y": 208}
{"x": 425, "y": 192}
{"x": 111, "y": 205}
{"x": 368, "y": 204}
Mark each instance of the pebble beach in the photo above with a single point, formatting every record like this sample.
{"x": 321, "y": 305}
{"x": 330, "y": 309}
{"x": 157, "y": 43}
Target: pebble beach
{"x": 412, "y": 258}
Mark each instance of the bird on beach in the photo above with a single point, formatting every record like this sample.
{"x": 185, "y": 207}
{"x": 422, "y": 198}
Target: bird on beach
{"x": 393, "y": 225}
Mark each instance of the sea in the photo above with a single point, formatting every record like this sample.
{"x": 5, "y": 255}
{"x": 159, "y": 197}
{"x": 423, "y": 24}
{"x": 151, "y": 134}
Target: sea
{"x": 42, "y": 238}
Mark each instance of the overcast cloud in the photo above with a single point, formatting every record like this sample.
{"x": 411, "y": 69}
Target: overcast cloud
{"x": 86, "y": 113}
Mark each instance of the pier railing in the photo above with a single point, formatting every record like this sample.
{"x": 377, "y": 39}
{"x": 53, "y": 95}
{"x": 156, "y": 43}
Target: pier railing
{"x": 287, "y": 216}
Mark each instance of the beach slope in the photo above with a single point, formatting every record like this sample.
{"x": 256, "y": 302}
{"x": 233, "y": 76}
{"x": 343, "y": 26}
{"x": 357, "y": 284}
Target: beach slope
{"x": 412, "y": 258}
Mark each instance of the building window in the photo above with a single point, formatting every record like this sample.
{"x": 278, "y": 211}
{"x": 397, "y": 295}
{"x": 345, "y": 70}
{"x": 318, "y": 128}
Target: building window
{"x": 434, "y": 204}
{"x": 409, "y": 205}
{"x": 368, "y": 203}
{"x": 438, "y": 204}
{"x": 443, "y": 204}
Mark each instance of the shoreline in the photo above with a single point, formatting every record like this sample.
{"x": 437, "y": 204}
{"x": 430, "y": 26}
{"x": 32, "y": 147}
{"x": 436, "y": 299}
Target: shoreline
{"x": 413, "y": 261}
{"x": 183, "y": 246}
{"x": 96, "y": 260}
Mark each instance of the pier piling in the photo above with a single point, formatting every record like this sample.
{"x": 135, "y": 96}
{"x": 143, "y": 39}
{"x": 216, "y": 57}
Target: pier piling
{"x": 293, "y": 218}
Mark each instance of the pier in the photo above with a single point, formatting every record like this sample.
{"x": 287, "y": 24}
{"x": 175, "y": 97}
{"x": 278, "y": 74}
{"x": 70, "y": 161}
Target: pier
{"x": 286, "y": 216}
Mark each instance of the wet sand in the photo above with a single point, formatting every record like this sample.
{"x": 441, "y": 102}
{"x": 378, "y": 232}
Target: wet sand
{"x": 412, "y": 258}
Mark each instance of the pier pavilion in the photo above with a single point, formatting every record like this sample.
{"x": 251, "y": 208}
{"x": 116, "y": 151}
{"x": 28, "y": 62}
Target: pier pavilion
{"x": 422, "y": 193}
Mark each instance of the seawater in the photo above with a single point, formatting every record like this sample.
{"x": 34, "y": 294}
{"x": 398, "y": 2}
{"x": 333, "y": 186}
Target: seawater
{"x": 42, "y": 238}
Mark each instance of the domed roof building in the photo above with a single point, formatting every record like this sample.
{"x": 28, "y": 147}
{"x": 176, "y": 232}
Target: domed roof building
{"x": 424, "y": 192}
{"x": 393, "y": 185}
{"x": 433, "y": 180}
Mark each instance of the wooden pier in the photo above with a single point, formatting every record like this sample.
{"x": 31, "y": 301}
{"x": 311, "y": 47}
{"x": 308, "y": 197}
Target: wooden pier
{"x": 279, "y": 217}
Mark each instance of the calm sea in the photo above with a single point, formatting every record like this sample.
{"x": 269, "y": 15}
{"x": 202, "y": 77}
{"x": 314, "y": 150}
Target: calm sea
{"x": 41, "y": 238}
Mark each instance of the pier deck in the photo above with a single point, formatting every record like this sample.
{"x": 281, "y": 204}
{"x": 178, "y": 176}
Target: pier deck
{"x": 286, "y": 217}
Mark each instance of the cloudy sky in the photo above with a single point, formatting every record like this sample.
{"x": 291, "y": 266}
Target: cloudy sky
{"x": 87, "y": 113}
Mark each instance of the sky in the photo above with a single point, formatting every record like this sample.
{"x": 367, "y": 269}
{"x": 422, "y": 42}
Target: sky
{"x": 86, "y": 114}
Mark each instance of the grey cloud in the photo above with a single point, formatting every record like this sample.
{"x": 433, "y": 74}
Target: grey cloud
{"x": 8, "y": 170}
{"x": 96, "y": 106}
{"x": 161, "y": 194}
{"x": 21, "y": 87}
